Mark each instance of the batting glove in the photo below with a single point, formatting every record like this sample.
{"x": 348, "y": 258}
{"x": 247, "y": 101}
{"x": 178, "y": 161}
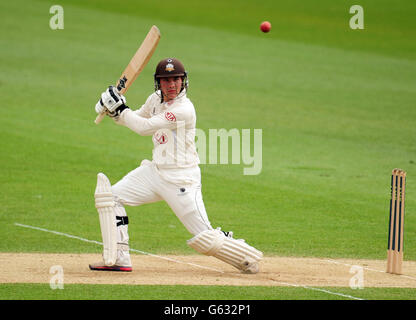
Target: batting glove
{"x": 110, "y": 101}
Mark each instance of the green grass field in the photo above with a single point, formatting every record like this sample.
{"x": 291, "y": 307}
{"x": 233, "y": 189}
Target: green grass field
{"x": 336, "y": 107}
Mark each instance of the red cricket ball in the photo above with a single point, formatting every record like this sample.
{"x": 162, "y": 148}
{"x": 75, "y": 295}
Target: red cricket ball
{"x": 265, "y": 26}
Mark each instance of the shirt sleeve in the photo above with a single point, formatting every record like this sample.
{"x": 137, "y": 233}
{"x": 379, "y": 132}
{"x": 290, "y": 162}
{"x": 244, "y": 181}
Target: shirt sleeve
{"x": 148, "y": 126}
{"x": 144, "y": 110}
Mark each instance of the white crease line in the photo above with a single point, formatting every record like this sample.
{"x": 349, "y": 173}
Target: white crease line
{"x": 177, "y": 261}
{"x": 100, "y": 243}
{"x": 365, "y": 268}
{"x": 320, "y": 290}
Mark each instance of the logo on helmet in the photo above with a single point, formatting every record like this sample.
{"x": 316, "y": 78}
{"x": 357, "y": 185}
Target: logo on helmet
{"x": 169, "y": 67}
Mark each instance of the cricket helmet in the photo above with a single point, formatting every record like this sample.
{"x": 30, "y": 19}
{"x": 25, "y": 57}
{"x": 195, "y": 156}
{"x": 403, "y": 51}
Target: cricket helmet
{"x": 170, "y": 67}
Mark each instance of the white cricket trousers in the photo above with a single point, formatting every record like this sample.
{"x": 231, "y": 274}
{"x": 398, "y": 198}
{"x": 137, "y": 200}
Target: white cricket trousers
{"x": 145, "y": 184}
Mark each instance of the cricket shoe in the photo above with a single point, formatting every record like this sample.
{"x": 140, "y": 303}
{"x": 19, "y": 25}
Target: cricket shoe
{"x": 100, "y": 266}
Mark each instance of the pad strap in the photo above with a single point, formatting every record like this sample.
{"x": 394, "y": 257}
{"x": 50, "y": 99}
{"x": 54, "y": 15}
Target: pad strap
{"x": 122, "y": 221}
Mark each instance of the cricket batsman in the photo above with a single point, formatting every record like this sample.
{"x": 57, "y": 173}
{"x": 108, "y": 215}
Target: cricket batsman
{"x": 173, "y": 175}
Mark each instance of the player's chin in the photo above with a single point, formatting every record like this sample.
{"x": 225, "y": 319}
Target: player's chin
{"x": 172, "y": 95}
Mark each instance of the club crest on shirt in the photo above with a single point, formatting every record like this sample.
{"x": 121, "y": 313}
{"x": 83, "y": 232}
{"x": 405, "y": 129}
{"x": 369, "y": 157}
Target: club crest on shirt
{"x": 161, "y": 138}
{"x": 170, "y": 116}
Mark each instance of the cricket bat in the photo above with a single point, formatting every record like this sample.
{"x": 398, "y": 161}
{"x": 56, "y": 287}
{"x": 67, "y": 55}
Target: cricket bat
{"x": 136, "y": 64}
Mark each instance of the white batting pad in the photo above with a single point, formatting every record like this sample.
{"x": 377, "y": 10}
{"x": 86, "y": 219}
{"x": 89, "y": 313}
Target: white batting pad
{"x": 235, "y": 252}
{"x": 104, "y": 203}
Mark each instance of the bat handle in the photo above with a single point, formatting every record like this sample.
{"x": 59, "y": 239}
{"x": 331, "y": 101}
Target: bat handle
{"x": 99, "y": 118}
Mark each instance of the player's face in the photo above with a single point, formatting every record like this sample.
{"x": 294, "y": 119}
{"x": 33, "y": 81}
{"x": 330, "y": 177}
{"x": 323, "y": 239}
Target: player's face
{"x": 170, "y": 87}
